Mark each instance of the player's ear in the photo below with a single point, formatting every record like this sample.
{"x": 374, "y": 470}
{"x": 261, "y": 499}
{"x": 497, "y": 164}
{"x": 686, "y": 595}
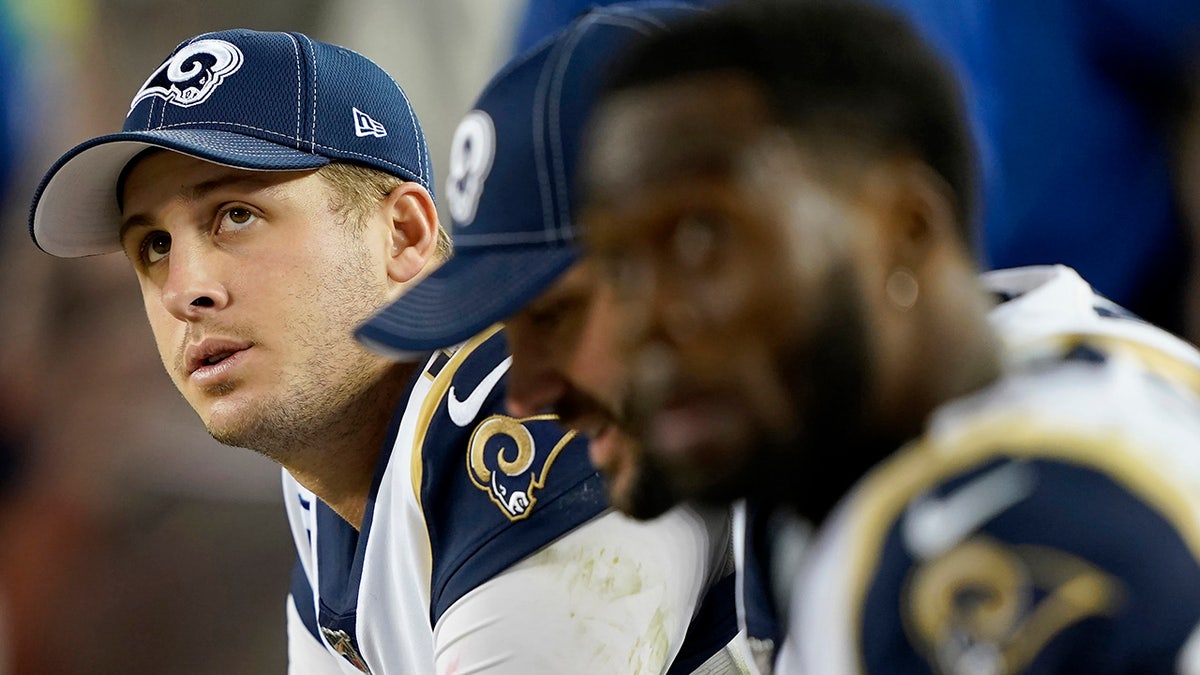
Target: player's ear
{"x": 919, "y": 211}
{"x": 413, "y": 234}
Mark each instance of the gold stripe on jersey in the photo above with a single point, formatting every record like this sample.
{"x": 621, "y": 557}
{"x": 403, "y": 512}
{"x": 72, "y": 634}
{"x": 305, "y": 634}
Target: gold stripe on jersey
{"x": 433, "y": 399}
{"x": 1153, "y": 359}
{"x": 880, "y": 501}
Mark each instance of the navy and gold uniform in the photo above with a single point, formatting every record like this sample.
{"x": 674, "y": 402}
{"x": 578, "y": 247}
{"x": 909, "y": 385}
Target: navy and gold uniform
{"x": 487, "y": 542}
{"x": 1047, "y": 524}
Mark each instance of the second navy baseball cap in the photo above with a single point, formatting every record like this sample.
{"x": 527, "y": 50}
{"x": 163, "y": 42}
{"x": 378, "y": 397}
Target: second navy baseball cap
{"x": 254, "y": 100}
{"x": 510, "y": 190}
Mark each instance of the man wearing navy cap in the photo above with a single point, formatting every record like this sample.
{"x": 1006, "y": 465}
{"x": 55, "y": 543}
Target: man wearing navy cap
{"x": 510, "y": 196}
{"x": 271, "y": 193}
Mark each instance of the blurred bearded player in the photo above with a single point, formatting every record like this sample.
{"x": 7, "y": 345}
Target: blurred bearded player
{"x": 782, "y": 225}
{"x": 509, "y": 194}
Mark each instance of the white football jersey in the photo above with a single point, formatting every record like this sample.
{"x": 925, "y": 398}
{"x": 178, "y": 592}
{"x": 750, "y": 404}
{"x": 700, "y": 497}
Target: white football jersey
{"x": 1047, "y": 524}
{"x": 487, "y": 544}
{"x": 1051, "y": 301}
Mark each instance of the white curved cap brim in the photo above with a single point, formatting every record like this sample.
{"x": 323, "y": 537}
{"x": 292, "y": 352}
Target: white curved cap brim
{"x": 75, "y": 211}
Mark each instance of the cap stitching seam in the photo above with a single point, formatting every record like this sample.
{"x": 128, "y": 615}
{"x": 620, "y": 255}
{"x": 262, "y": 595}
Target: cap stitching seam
{"x": 313, "y": 50}
{"x": 637, "y": 21}
{"x": 559, "y": 198}
{"x": 545, "y": 190}
{"x": 418, "y": 178}
{"x": 299, "y": 88}
{"x": 422, "y": 150}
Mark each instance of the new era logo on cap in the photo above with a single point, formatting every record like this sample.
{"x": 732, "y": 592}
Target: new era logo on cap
{"x": 364, "y": 125}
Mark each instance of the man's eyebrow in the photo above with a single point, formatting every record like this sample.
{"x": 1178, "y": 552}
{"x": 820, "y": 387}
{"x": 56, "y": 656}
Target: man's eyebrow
{"x": 201, "y": 190}
{"x": 243, "y": 179}
{"x": 136, "y": 220}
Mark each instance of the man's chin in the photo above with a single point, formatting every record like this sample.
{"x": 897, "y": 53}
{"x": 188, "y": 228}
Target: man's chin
{"x": 231, "y": 435}
{"x": 713, "y": 490}
{"x": 640, "y": 494}
{"x": 719, "y": 483}
{"x": 242, "y": 428}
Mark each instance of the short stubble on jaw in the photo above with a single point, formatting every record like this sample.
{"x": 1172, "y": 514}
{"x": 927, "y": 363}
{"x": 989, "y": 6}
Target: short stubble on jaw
{"x": 330, "y": 393}
{"x": 333, "y": 392}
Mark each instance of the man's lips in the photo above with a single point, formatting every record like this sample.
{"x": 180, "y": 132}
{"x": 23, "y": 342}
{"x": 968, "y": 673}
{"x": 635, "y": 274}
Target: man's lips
{"x": 681, "y": 425}
{"x": 208, "y": 355}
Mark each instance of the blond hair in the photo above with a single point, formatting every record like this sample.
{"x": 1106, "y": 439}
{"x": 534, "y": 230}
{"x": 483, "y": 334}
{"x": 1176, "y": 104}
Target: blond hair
{"x": 359, "y": 188}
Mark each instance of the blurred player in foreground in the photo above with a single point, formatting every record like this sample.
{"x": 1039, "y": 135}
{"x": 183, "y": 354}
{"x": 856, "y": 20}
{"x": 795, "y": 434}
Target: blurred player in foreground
{"x": 271, "y": 192}
{"x": 510, "y": 195}
{"x": 783, "y": 222}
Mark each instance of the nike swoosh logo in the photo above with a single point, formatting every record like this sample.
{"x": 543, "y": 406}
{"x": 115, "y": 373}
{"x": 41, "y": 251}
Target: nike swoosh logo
{"x": 463, "y": 412}
{"x": 934, "y": 525}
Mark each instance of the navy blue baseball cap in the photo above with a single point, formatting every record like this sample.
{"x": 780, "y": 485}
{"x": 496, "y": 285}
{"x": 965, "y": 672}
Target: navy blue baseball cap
{"x": 510, "y": 189}
{"x": 242, "y": 98}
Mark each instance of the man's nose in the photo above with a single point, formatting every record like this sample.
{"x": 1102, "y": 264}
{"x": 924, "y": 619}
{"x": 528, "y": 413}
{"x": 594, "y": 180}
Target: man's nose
{"x": 194, "y": 287}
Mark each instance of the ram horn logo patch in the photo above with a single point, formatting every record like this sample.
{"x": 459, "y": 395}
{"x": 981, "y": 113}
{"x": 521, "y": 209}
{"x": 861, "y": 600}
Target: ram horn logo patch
{"x": 471, "y": 153}
{"x": 191, "y": 75}
{"x": 505, "y": 462}
{"x": 987, "y": 607}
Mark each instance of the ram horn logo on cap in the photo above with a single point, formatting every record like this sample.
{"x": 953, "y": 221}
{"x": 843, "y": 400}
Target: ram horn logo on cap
{"x": 191, "y": 75}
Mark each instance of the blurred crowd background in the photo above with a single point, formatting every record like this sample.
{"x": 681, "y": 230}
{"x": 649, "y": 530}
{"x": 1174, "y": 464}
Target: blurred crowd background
{"x": 130, "y": 542}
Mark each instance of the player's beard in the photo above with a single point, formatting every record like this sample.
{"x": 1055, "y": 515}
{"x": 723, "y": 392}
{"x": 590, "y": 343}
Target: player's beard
{"x": 809, "y": 464}
{"x": 837, "y": 441}
{"x": 309, "y": 409}
{"x": 649, "y": 493}
{"x": 644, "y": 492}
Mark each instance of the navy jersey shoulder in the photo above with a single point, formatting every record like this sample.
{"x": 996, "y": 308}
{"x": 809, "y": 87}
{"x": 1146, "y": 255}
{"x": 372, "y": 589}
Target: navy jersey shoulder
{"x": 495, "y": 488}
{"x": 492, "y": 489}
{"x": 1034, "y": 563}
